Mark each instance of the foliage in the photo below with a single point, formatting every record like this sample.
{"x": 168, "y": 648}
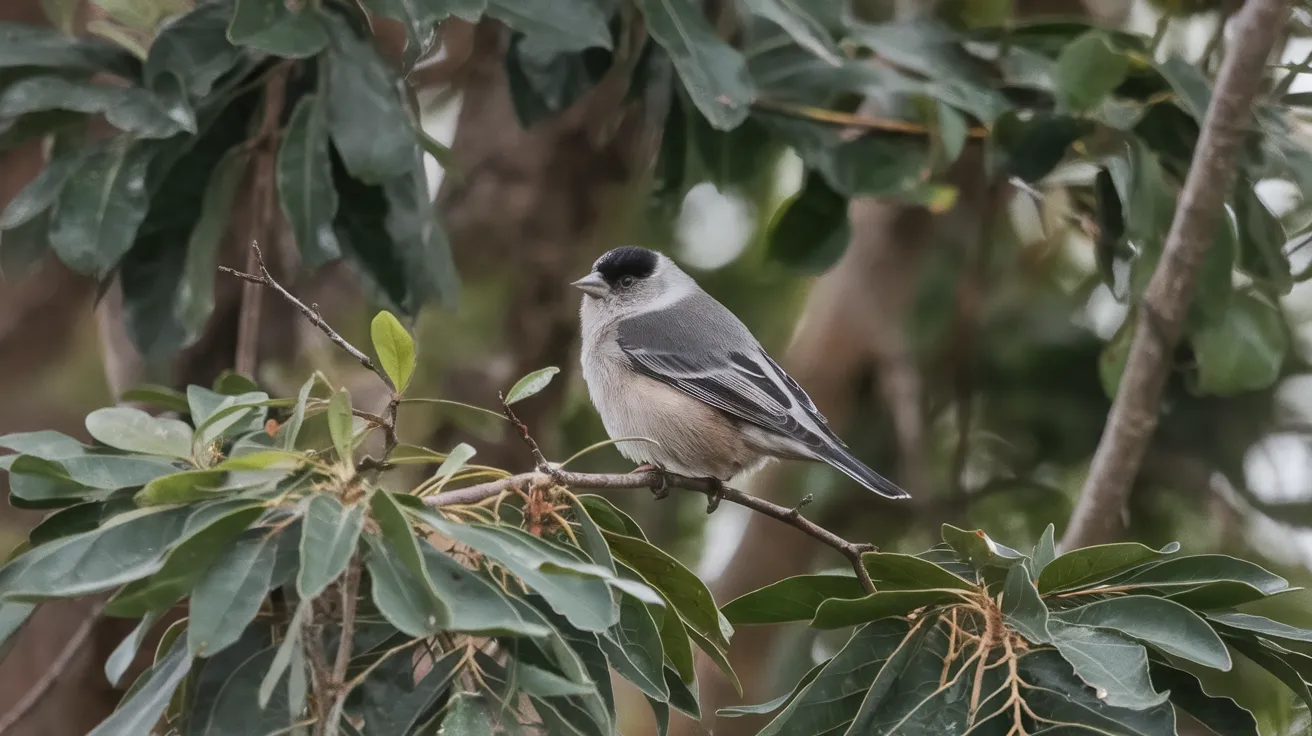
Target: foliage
{"x": 285, "y": 543}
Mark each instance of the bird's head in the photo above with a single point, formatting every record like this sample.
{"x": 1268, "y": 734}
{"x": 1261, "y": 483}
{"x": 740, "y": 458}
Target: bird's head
{"x": 629, "y": 279}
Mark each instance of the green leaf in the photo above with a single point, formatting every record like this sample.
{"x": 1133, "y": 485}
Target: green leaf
{"x": 771, "y": 706}
{"x": 531, "y": 384}
{"x": 45, "y": 444}
{"x": 685, "y": 592}
{"x": 1022, "y": 608}
{"x": 305, "y": 180}
{"x": 12, "y": 618}
{"x": 399, "y": 594}
{"x": 1190, "y": 85}
{"x": 271, "y": 27}
{"x": 593, "y": 542}
{"x": 393, "y": 703}
{"x": 1261, "y": 239}
{"x": 892, "y": 571}
{"x": 719, "y": 655}
{"x": 100, "y": 208}
{"x": 545, "y": 84}
{"x": 577, "y": 590}
{"x": 368, "y": 125}
{"x": 1164, "y": 624}
{"x": 185, "y": 487}
{"x": 121, "y": 658}
{"x": 1221, "y": 715}
{"x": 1031, "y": 147}
{"x": 1199, "y": 570}
{"x": 978, "y": 550}
{"x": 568, "y": 25}
{"x": 141, "y": 712}
{"x": 1281, "y": 669}
{"x": 1091, "y": 565}
{"x": 468, "y": 714}
{"x": 1261, "y": 625}
{"x": 790, "y": 599}
{"x": 340, "y": 421}
{"x": 208, "y": 531}
{"x": 713, "y": 72}
{"x": 290, "y": 642}
{"x": 677, "y": 645}
{"x": 328, "y": 539}
{"x": 802, "y": 24}
{"x": 40, "y": 193}
{"x": 43, "y": 483}
{"x": 609, "y": 517}
{"x": 1088, "y": 69}
{"x": 455, "y": 460}
{"x": 227, "y": 705}
{"x": 911, "y": 676}
{"x": 811, "y": 230}
{"x": 291, "y": 429}
{"x": 395, "y": 349}
{"x": 23, "y": 45}
{"x": 191, "y": 53}
{"x": 218, "y": 415}
{"x": 194, "y": 300}
{"x": 474, "y": 604}
{"x": 837, "y": 613}
{"x": 1244, "y": 351}
{"x": 1113, "y": 665}
{"x": 633, "y": 646}
{"x": 833, "y": 698}
{"x": 1061, "y": 696}
{"x": 104, "y": 472}
{"x": 134, "y": 430}
{"x": 129, "y": 548}
{"x": 229, "y": 594}
{"x": 1045, "y": 551}
{"x": 132, "y": 110}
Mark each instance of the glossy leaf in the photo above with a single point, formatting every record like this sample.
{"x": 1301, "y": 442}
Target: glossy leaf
{"x": 369, "y": 128}
{"x": 568, "y": 25}
{"x": 531, "y": 384}
{"x": 272, "y": 27}
{"x": 1088, "y": 69}
{"x": 1066, "y": 699}
{"x": 1091, "y": 565}
{"x": 136, "y": 431}
{"x": 305, "y": 180}
{"x": 99, "y": 209}
{"x": 140, "y": 713}
{"x": 633, "y": 646}
{"x": 132, "y": 110}
{"x": 395, "y": 349}
{"x": 1164, "y": 624}
{"x": 228, "y": 596}
{"x": 790, "y": 599}
{"x": 340, "y": 424}
{"x": 1022, "y": 608}
{"x": 892, "y": 571}
{"x": 399, "y": 594}
{"x": 1113, "y": 665}
{"x": 713, "y": 73}
{"x": 328, "y": 538}
{"x": 1221, "y": 715}
{"x": 688, "y": 596}
{"x": 475, "y": 604}
{"x": 836, "y": 613}
{"x": 1261, "y": 625}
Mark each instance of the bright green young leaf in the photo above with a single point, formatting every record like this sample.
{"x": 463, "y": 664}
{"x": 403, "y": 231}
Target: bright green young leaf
{"x": 531, "y": 384}
{"x": 977, "y": 549}
{"x": 1113, "y": 665}
{"x": 229, "y": 594}
{"x": 100, "y": 208}
{"x": 271, "y": 27}
{"x": 305, "y": 180}
{"x": 1091, "y": 565}
{"x": 1088, "y": 69}
{"x": 836, "y": 613}
{"x": 395, "y": 349}
{"x": 1243, "y": 352}
{"x": 141, "y": 712}
{"x": 328, "y": 539}
{"x": 713, "y": 72}
{"x": 340, "y": 423}
{"x": 1164, "y": 624}
{"x": 790, "y": 599}
{"x": 892, "y": 571}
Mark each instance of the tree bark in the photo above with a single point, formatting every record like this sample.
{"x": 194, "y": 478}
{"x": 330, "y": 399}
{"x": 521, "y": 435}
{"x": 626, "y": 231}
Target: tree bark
{"x": 1159, "y": 320}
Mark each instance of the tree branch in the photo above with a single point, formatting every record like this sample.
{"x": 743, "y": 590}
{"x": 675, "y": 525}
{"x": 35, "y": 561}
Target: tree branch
{"x": 47, "y": 680}
{"x": 350, "y": 588}
{"x": 657, "y": 479}
{"x": 1160, "y": 317}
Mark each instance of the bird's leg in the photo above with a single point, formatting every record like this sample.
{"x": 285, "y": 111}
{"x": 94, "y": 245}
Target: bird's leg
{"x": 659, "y": 491}
{"x": 714, "y": 494}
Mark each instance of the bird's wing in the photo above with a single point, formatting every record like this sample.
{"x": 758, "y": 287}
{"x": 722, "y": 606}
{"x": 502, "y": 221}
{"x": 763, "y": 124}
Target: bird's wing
{"x": 700, "y": 348}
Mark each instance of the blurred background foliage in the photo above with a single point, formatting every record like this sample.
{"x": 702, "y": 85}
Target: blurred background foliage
{"x": 955, "y": 309}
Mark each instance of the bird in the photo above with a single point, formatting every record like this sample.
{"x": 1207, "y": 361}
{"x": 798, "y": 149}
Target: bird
{"x": 664, "y": 361}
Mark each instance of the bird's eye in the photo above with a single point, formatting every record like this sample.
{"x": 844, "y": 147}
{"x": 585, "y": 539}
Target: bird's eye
{"x": 626, "y": 282}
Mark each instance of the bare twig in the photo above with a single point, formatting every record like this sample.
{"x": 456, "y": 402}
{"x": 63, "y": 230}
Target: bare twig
{"x": 47, "y": 680}
{"x": 657, "y": 479}
{"x": 862, "y": 122}
{"x": 264, "y": 149}
{"x": 1160, "y": 320}
{"x": 350, "y": 587}
{"x": 539, "y": 460}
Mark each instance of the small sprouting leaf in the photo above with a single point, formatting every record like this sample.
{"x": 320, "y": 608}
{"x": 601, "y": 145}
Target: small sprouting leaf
{"x": 395, "y": 348}
{"x": 1088, "y": 69}
{"x": 455, "y": 460}
{"x": 790, "y": 599}
{"x": 145, "y": 706}
{"x": 713, "y": 72}
{"x": 227, "y": 597}
{"x": 979, "y": 550}
{"x": 531, "y": 384}
{"x": 328, "y": 539}
{"x": 340, "y": 424}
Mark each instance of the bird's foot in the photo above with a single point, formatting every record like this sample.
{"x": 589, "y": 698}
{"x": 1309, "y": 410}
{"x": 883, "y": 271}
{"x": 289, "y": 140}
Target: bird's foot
{"x": 661, "y": 490}
{"x": 714, "y": 494}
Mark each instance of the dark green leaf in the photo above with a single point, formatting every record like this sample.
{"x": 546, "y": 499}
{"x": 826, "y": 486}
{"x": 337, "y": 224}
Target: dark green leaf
{"x": 676, "y": 643}
{"x": 790, "y": 599}
{"x": 365, "y": 118}
{"x": 1196, "y": 570}
{"x": 100, "y": 208}
{"x": 1272, "y": 662}
{"x": 718, "y": 655}
{"x": 977, "y": 549}
{"x": 713, "y": 73}
{"x": 141, "y": 712}
{"x": 569, "y": 25}
{"x": 291, "y": 642}
{"x": 395, "y": 348}
{"x": 1088, "y": 69}
{"x": 1045, "y": 551}
{"x": 1022, "y": 608}
{"x": 771, "y": 706}
{"x": 271, "y": 27}
{"x": 231, "y": 706}
{"x": 633, "y": 647}
{"x": 328, "y": 539}
{"x": 194, "y": 300}
{"x": 104, "y": 558}
{"x": 802, "y": 23}
{"x": 136, "y": 431}
{"x": 1261, "y": 239}
{"x": 687, "y": 595}
{"x": 1221, "y": 715}
{"x": 229, "y": 594}
{"x": 910, "y": 690}
{"x": 42, "y": 483}
{"x": 531, "y": 384}
{"x": 121, "y": 658}
{"x": 1261, "y": 625}
{"x": 40, "y": 193}
{"x": 1091, "y": 565}
{"x": 836, "y": 613}
{"x": 811, "y": 230}
{"x": 192, "y": 52}
{"x": 1060, "y": 696}
{"x": 1113, "y": 665}
{"x": 876, "y": 166}
{"x": 892, "y": 571}
{"x": 305, "y": 181}
{"x": 1244, "y": 351}
{"x": 1030, "y": 148}
{"x": 593, "y": 542}
{"x": 393, "y": 703}
{"x": 610, "y": 518}
{"x": 82, "y": 517}
{"x": 1164, "y": 624}
{"x": 130, "y": 109}
{"x": 23, "y": 45}
{"x": 400, "y": 595}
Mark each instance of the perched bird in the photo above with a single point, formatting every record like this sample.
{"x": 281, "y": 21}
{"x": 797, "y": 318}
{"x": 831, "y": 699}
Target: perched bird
{"x": 664, "y": 360}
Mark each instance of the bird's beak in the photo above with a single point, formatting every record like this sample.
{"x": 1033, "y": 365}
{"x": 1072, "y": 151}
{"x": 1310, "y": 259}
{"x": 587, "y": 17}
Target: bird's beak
{"x": 592, "y": 285}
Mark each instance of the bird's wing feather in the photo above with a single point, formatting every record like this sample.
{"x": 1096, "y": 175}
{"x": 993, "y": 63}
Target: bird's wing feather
{"x": 698, "y": 347}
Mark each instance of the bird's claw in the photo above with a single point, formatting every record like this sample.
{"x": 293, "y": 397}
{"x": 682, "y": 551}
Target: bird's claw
{"x": 714, "y": 495}
{"x": 660, "y": 491}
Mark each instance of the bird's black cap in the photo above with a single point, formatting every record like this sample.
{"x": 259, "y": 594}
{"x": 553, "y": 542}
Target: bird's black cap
{"x": 629, "y": 260}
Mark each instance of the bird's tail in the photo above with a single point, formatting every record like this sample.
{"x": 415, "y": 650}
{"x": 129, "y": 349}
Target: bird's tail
{"x": 857, "y": 471}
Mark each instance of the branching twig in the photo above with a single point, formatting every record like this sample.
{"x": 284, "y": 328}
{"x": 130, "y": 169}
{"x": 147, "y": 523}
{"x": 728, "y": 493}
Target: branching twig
{"x": 656, "y": 479}
{"x": 539, "y": 460}
{"x": 47, "y": 680}
{"x": 1160, "y": 320}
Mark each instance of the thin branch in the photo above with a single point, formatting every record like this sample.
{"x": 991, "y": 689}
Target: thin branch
{"x": 264, "y": 151}
{"x": 1160, "y": 318}
{"x": 657, "y": 479}
{"x": 47, "y": 680}
{"x": 350, "y": 588}
{"x": 834, "y": 117}
{"x": 539, "y": 460}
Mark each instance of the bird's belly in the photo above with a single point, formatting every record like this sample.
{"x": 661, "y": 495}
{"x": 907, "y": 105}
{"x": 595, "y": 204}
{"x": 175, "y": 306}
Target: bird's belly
{"x": 690, "y": 437}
